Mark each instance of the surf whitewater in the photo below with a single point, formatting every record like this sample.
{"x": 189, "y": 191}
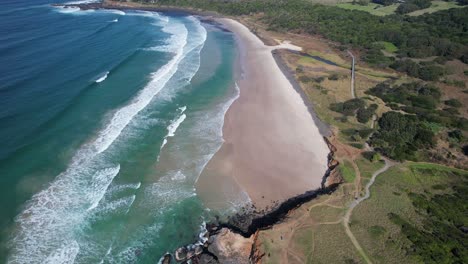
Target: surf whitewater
{"x": 108, "y": 132}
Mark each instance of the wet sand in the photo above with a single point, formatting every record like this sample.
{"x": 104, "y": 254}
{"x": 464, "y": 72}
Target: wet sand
{"x": 273, "y": 149}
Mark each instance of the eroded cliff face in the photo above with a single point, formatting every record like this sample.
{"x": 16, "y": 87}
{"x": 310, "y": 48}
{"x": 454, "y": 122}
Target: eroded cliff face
{"x": 231, "y": 248}
{"x": 236, "y": 241}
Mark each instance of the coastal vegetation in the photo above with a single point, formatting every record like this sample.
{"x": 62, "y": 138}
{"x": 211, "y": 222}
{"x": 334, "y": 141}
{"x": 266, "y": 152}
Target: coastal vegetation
{"x": 415, "y": 215}
{"x": 412, "y": 129}
{"x": 437, "y": 34}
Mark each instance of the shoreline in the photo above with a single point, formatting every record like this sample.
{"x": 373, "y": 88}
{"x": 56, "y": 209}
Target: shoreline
{"x": 324, "y": 128}
{"x": 274, "y": 147}
{"x": 248, "y": 222}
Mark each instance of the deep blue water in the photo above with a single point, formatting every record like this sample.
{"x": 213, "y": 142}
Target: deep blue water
{"x": 106, "y": 120}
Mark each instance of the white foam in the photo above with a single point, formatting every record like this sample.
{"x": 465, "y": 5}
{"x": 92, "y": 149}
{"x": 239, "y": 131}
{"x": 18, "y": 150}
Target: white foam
{"x": 215, "y": 131}
{"x": 113, "y": 11}
{"x": 52, "y": 216}
{"x": 121, "y": 187}
{"x": 115, "y": 20}
{"x": 178, "y": 176}
{"x": 100, "y": 185}
{"x": 65, "y": 254}
{"x": 149, "y": 14}
{"x": 191, "y": 64}
{"x": 121, "y": 206}
{"x": 102, "y": 78}
{"x": 75, "y": 10}
{"x": 82, "y": 2}
{"x": 105, "y": 256}
{"x": 124, "y": 115}
{"x": 202, "y": 235}
{"x": 67, "y": 10}
{"x": 172, "y": 128}
{"x": 55, "y": 216}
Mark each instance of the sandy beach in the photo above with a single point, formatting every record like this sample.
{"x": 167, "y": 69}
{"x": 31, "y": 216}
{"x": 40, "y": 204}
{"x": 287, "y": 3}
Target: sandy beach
{"x": 273, "y": 149}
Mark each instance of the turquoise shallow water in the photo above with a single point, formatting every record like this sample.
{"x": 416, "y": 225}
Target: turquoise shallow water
{"x": 107, "y": 119}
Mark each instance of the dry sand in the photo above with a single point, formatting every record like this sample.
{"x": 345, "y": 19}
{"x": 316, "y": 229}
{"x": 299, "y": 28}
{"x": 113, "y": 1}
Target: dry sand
{"x": 273, "y": 149}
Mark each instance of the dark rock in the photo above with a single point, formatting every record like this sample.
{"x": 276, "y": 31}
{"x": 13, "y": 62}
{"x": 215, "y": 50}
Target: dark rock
{"x": 181, "y": 254}
{"x": 198, "y": 250}
{"x": 166, "y": 259}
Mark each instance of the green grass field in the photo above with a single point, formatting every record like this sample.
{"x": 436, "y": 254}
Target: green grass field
{"x": 318, "y": 236}
{"x": 389, "y": 47}
{"x": 347, "y": 171}
{"x": 380, "y": 10}
{"x": 436, "y": 6}
{"x": 382, "y": 239}
{"x": 372, "y": 8}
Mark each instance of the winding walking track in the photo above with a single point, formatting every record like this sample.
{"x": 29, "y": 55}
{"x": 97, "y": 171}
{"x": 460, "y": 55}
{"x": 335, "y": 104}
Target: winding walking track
{"x": 304, "y": 220}
{"x": 347, "y": 216}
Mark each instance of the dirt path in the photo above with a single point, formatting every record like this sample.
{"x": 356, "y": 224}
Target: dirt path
{"x": 356, "y": 202}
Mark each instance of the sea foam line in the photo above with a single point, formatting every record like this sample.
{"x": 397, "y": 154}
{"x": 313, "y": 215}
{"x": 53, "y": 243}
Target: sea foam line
{"x": 102, "y": 78}
{"x": 160, "y": 197}
{"x": 221, "y": 114}
{"x": 159, "y": 79}
{"x": 47, "y": 224}
{"x": 51, "y": 217}
{"x": 172, "y": 128}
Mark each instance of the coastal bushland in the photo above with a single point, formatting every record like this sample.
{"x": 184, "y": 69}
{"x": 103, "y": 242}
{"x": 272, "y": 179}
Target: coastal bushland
{"x": 409, "y": 131}
{"x": 438, "y": 34}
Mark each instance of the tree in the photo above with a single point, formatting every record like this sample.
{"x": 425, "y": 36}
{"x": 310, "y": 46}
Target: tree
{"x": 400, "y": 136}
{"x": 430, "y": 73}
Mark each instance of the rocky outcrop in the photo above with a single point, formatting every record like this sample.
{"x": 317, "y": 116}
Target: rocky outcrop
{"x": 234, "y": 241}
{"x": 231, "y": 248}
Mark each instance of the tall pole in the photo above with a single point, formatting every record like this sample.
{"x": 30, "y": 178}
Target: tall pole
{"x": 353, "y": 95}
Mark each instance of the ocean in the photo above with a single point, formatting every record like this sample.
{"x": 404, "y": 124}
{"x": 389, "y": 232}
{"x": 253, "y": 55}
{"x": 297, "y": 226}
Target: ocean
{"x": 107, "y": 119}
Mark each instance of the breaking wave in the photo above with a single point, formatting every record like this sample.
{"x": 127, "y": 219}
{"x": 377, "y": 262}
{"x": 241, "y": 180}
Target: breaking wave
{"x": 49, "y": 227}
{"x": 102, "y": 78}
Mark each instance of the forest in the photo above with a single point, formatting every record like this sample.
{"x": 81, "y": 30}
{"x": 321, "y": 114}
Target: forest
{"x": 441, "y": 34}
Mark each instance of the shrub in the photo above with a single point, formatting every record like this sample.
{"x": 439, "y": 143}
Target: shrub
{"x": 349, "y": 107}
{"x": 456, "y": 135}
{"x": 365, "y": 133}
{"x": 453, "y": 103}
{"x": 430, "y": 73}
{"x": 365, "y": 114}
{"x": 413, "y": 94}
{"x": 400, "y": 136}
{"x": 334, "y": 77}
{"x": 406, "y": 8}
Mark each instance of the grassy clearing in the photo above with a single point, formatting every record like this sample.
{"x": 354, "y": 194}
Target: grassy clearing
{"x": 333, "y": 246}
{"x": 347, "y": 171}
{"x": 324, "y": 213}
{"x": 367, "y": 168}
{"x": 389, "y": 47}
{"x": 371, "y": 225}
{"x": 372, "y": 8}
{"x": 316, "y": 235}
{"x": 309, "y": 235}
{"x": 436, "y": 6}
